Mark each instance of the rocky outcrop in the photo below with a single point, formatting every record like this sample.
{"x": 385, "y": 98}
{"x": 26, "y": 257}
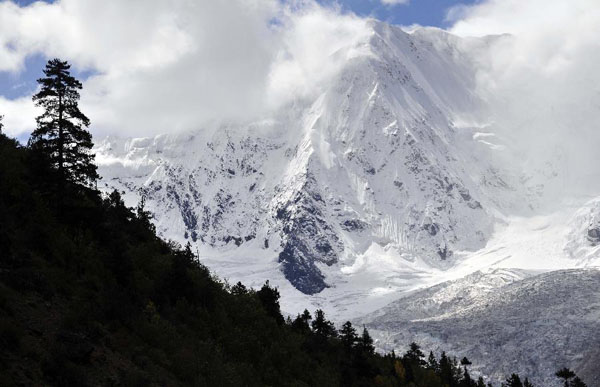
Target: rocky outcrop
{"x": 593, "y": 235}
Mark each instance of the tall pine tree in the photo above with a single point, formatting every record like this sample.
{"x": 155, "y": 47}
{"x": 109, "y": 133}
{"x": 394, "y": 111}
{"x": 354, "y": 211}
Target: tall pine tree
{"x": 348, "y": 335}
{"x": 61, "y": 133}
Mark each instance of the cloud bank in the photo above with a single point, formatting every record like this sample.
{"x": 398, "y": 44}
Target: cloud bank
{"x": 542, "y": 82}
{"x": 163, "y": 66}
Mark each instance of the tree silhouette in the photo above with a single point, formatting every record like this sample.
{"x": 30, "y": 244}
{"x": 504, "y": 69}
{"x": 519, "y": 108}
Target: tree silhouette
{"x": 432, "y": 362}
{"x": 301, "y": 322}
{"x": 514, "y": 381}
{"x": 323, "y": 327}
{"x": 414, "y": 354}
{"x": 61, "y": 135}
{"x": 578, "y": 382}
{"x": 565, "y": 374}
{"x": 365, "y": 342}
{"x": 239, "y": 289}
{"x": 348, "y": 335}
{"x": 269, "y": 297}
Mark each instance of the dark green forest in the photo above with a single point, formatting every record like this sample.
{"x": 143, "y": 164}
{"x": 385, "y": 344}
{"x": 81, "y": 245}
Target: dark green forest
{"x": 91, "y": 296}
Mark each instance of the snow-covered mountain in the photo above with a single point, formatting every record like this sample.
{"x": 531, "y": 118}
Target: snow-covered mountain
{"x": 377, "y": 158}
{"x": 391, "y": 180}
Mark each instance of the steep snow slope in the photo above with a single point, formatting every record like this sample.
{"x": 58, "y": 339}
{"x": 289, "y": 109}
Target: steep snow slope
{"x": 375, "y": 161}
{"x": 509, "y": 320}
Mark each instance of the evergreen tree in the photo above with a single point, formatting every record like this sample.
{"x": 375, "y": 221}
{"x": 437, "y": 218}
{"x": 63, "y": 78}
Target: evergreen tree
{"x": 446, "y": 371}
{"x": 577, "y": 382}
{"x": 565, "y": 374}
{"x": 365, "y": 342}
{"x": 189, "y": 254}
{"x": 480, "y": 382}
{"x": 301, "y": 322}
{"x": 239, "y": 289}
{"x": 514, "y": 381}
{"x": 144, "y": 216}
{"x": 269, "y": 297}
{"x": 323, "y": 327}
{"x": 466, "y": 380}
{"x": 61, "y": 135}
{"x": 414, "y": 354}
{"x": 527, "y": 383}
{"x": 432, "y": 362}
{"x": 348, "y": 335}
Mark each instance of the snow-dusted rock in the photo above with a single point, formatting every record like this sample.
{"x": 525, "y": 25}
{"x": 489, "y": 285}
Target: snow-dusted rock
{"x": 509, "y": 320}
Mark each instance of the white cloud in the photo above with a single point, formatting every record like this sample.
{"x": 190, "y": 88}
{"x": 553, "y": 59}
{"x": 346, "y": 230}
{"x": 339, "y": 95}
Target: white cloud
{"x": 394, "y": 2}
{"x": 167, "y": 65}
{"x": 543, "y": 82}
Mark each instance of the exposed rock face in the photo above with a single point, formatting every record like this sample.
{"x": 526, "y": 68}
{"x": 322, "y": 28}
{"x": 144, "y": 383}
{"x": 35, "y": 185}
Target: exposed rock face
{"x": 593, "y": 235}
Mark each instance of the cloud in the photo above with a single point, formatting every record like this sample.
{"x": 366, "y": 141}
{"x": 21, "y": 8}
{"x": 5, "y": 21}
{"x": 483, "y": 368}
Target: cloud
{"x": 394, "y": 2}
{"x": 165, "y": 65}
{"x": 542, "y": 82}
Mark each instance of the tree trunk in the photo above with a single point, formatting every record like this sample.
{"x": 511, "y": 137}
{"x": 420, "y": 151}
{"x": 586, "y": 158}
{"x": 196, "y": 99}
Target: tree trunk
{"x": 60, "y": 134}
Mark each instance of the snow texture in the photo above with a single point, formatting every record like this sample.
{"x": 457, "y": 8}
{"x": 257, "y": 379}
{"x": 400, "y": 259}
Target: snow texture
{"x": 508, "y": 320}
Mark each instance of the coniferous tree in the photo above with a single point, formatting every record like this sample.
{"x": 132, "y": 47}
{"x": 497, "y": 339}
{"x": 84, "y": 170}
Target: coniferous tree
{"x": 323, "y": 327}
{"x": 527, "y": 383}
{"x": 348, "y": 335}
{"x": 480, "y": 382}
{"x": 432, "y": 362}
{"x": 239, "y": 289}
{"x": 143, "y": 215}
{"x": 365, "y": 342}
{"x": 415, "y": 354}
{"x": 269, "y": 297}
{"x": 577, "y": 382}
{"x": 565, "y": 374}
{"x": 466, "y": 380}
{"x": 514, "y": 381}
{"x": 61, "y": 133}
{"x": 301, "y": 322}
{"x": 446, "y": 371}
